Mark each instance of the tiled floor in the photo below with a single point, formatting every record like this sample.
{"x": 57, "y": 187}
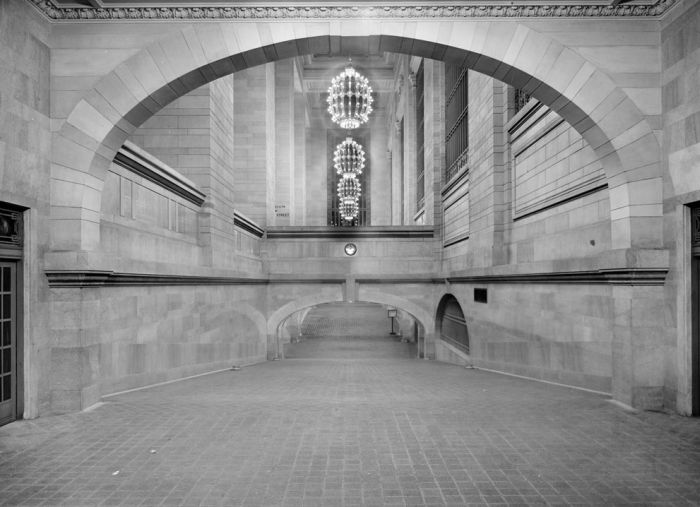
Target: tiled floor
{"x": 332, "y": 432}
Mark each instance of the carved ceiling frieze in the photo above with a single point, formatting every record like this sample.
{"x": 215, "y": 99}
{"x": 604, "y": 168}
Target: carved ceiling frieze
{"x": 57, "y": 12}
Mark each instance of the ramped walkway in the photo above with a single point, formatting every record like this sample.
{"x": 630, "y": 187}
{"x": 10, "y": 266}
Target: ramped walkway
{"x": 332, "y": 432}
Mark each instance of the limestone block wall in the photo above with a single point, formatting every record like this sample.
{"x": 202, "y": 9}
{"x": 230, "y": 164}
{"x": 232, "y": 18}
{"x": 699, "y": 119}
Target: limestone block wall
{"x": 142, "y": 221}
{"x": 250, "y": 148}
{"x": 560, "y": 204}
{"x": 680, "y": 48}
{"x": 284, "y": 204}
{"x": 434, "y": 103}
{"x": 25, "y": 153}
{"x": 325, "y": 256}
{"x": 104, "y": 340}
{"x": 469, "y": 205}
{"x": 561, "y": 333}
{"x": 316, "y": 174}
{"x": 195, "y": 135}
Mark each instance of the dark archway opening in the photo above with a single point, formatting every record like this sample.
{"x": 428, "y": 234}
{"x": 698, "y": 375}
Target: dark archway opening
{"x": 451, "y": 324}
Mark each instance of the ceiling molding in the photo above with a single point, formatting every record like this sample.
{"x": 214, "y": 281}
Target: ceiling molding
{"x": 215, "y": 12}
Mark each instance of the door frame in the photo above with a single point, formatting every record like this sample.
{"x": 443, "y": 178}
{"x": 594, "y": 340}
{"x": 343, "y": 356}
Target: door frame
{"x": 13, "y": 251}
{"x": 695, "y": 309}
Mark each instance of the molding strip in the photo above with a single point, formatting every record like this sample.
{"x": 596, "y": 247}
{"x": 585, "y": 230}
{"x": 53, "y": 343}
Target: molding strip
{"x": 215, "y": 12}
{"x": 368, "y": 232}
{"x": 622, "y": 276}
{"x": 140, "y": 162}
{"x": 95, "y": 278}
{"x": 244, "y": 223}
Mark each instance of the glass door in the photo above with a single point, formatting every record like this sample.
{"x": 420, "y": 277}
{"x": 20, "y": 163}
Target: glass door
{"x": 8, "y": 341}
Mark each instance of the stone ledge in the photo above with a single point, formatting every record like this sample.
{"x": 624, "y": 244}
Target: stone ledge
{"x": 624, "y": 276}
{"x": 246, "y": 224}
{"x": 375, "y": 231}
{"x": 89, "y": 278}
{"x": 96, "y": 278}
{"x": 140, "y": 162}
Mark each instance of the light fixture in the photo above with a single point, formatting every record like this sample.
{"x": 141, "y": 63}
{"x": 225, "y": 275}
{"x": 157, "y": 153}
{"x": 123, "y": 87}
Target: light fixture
{"x": 350, "y": 249}
{"x": 349, "y": 158}
{"x": 349, "y": 209}
{"x": 349, "y": 186}
{"x": 350, "y": 99}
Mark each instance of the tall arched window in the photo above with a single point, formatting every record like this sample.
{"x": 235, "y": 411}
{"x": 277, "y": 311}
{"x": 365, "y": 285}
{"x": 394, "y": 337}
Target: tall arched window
{"x": 452, "y": 326}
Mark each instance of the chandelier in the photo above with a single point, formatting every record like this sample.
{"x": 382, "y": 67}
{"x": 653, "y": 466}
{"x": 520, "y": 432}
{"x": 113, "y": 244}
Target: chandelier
{"x": 349, "y": 158}
{"x": 350, "y": 99}
{"x": 349, "y": 210}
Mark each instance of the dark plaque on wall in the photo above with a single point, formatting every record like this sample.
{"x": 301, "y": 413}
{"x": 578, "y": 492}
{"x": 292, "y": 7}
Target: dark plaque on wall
{"x": 480, "y": 295}
{"x": 10, "y": 228}
{"x": 695, "y": 226}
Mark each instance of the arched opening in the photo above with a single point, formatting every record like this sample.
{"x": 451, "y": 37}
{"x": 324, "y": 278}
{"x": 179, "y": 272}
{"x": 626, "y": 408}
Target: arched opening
{"x": 584, "y": 96}
{"x": 110, "y": 113}
{"x": 344, "y": 330}
{"x": 451, "y": 329}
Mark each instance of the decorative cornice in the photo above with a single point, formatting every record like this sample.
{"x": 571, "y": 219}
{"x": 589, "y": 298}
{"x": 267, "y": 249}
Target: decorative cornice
{"x": 219, "y": 13}
{"x": 92, "y": 278}
{"x": 140, "y": 162}
{"x": 622, "y": 276}
{"x": 368, "y": 232}
{"x": 244, "y": 223}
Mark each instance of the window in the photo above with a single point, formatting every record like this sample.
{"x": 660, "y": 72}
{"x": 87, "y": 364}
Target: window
{"x": 420, "y": 139}
{"x": 520, "y": 99}
{"x": 456, "y": 120}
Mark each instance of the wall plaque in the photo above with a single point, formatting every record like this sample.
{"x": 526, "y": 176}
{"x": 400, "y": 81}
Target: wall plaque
{"x": 10, "y": 228}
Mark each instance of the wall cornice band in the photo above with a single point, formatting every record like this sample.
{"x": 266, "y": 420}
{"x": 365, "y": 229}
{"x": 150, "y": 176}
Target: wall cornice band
{"x": 140, "y": 162}
{"x": 372, "y": 231}
{"x": 218, "y": 13}
{"x": 244, "y": 223}
{"x": 93, "y": 278}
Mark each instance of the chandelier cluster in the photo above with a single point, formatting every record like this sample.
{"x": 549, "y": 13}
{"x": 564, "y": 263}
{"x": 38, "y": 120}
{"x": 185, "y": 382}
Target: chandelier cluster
{"x": 349, "y": 104}
{"x": 349, "y": 160}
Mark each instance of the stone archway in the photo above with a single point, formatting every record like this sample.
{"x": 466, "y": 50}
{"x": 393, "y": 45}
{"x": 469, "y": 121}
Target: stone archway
{"x": 451, "y": 325}
{"x": 561, "y": 78}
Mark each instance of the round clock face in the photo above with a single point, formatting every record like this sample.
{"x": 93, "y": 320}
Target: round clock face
{"x": 350, "y": 249}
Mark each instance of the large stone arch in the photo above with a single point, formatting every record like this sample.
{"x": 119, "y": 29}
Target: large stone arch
{"x": 559, "y": 76}
{"x": 285, "y": 311}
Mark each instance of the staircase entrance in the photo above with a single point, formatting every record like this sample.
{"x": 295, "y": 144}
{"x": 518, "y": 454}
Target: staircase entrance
{"x": 349, "y": 331}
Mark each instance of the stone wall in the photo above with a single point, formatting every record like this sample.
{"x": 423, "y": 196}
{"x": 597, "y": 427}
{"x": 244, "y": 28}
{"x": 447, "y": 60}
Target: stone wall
{"x": 25, "y": 154}
{"x": 110, "y": 339}
{"x": 559, "y": 332}
{"x": 681, "y": 143}
{"x": 142, "y": 221}
{"x": 195, "y": 135}
{"x": 250, "y": 147}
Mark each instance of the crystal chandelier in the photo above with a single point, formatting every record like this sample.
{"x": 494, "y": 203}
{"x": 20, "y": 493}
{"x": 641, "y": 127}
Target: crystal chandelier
{"x": 350, "y": 99}
{"x": 349, "y": 210}
{"x": 349, "y": 158}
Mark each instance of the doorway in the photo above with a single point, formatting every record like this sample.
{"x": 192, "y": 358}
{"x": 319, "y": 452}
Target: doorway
{"x": 8, "y": 341}
{"x": 10, "y": 315}
{"x": 695, "y": 287}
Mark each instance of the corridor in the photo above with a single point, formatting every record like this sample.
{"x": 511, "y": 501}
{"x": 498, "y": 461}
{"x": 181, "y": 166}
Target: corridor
{"x": 336, "y": 432}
